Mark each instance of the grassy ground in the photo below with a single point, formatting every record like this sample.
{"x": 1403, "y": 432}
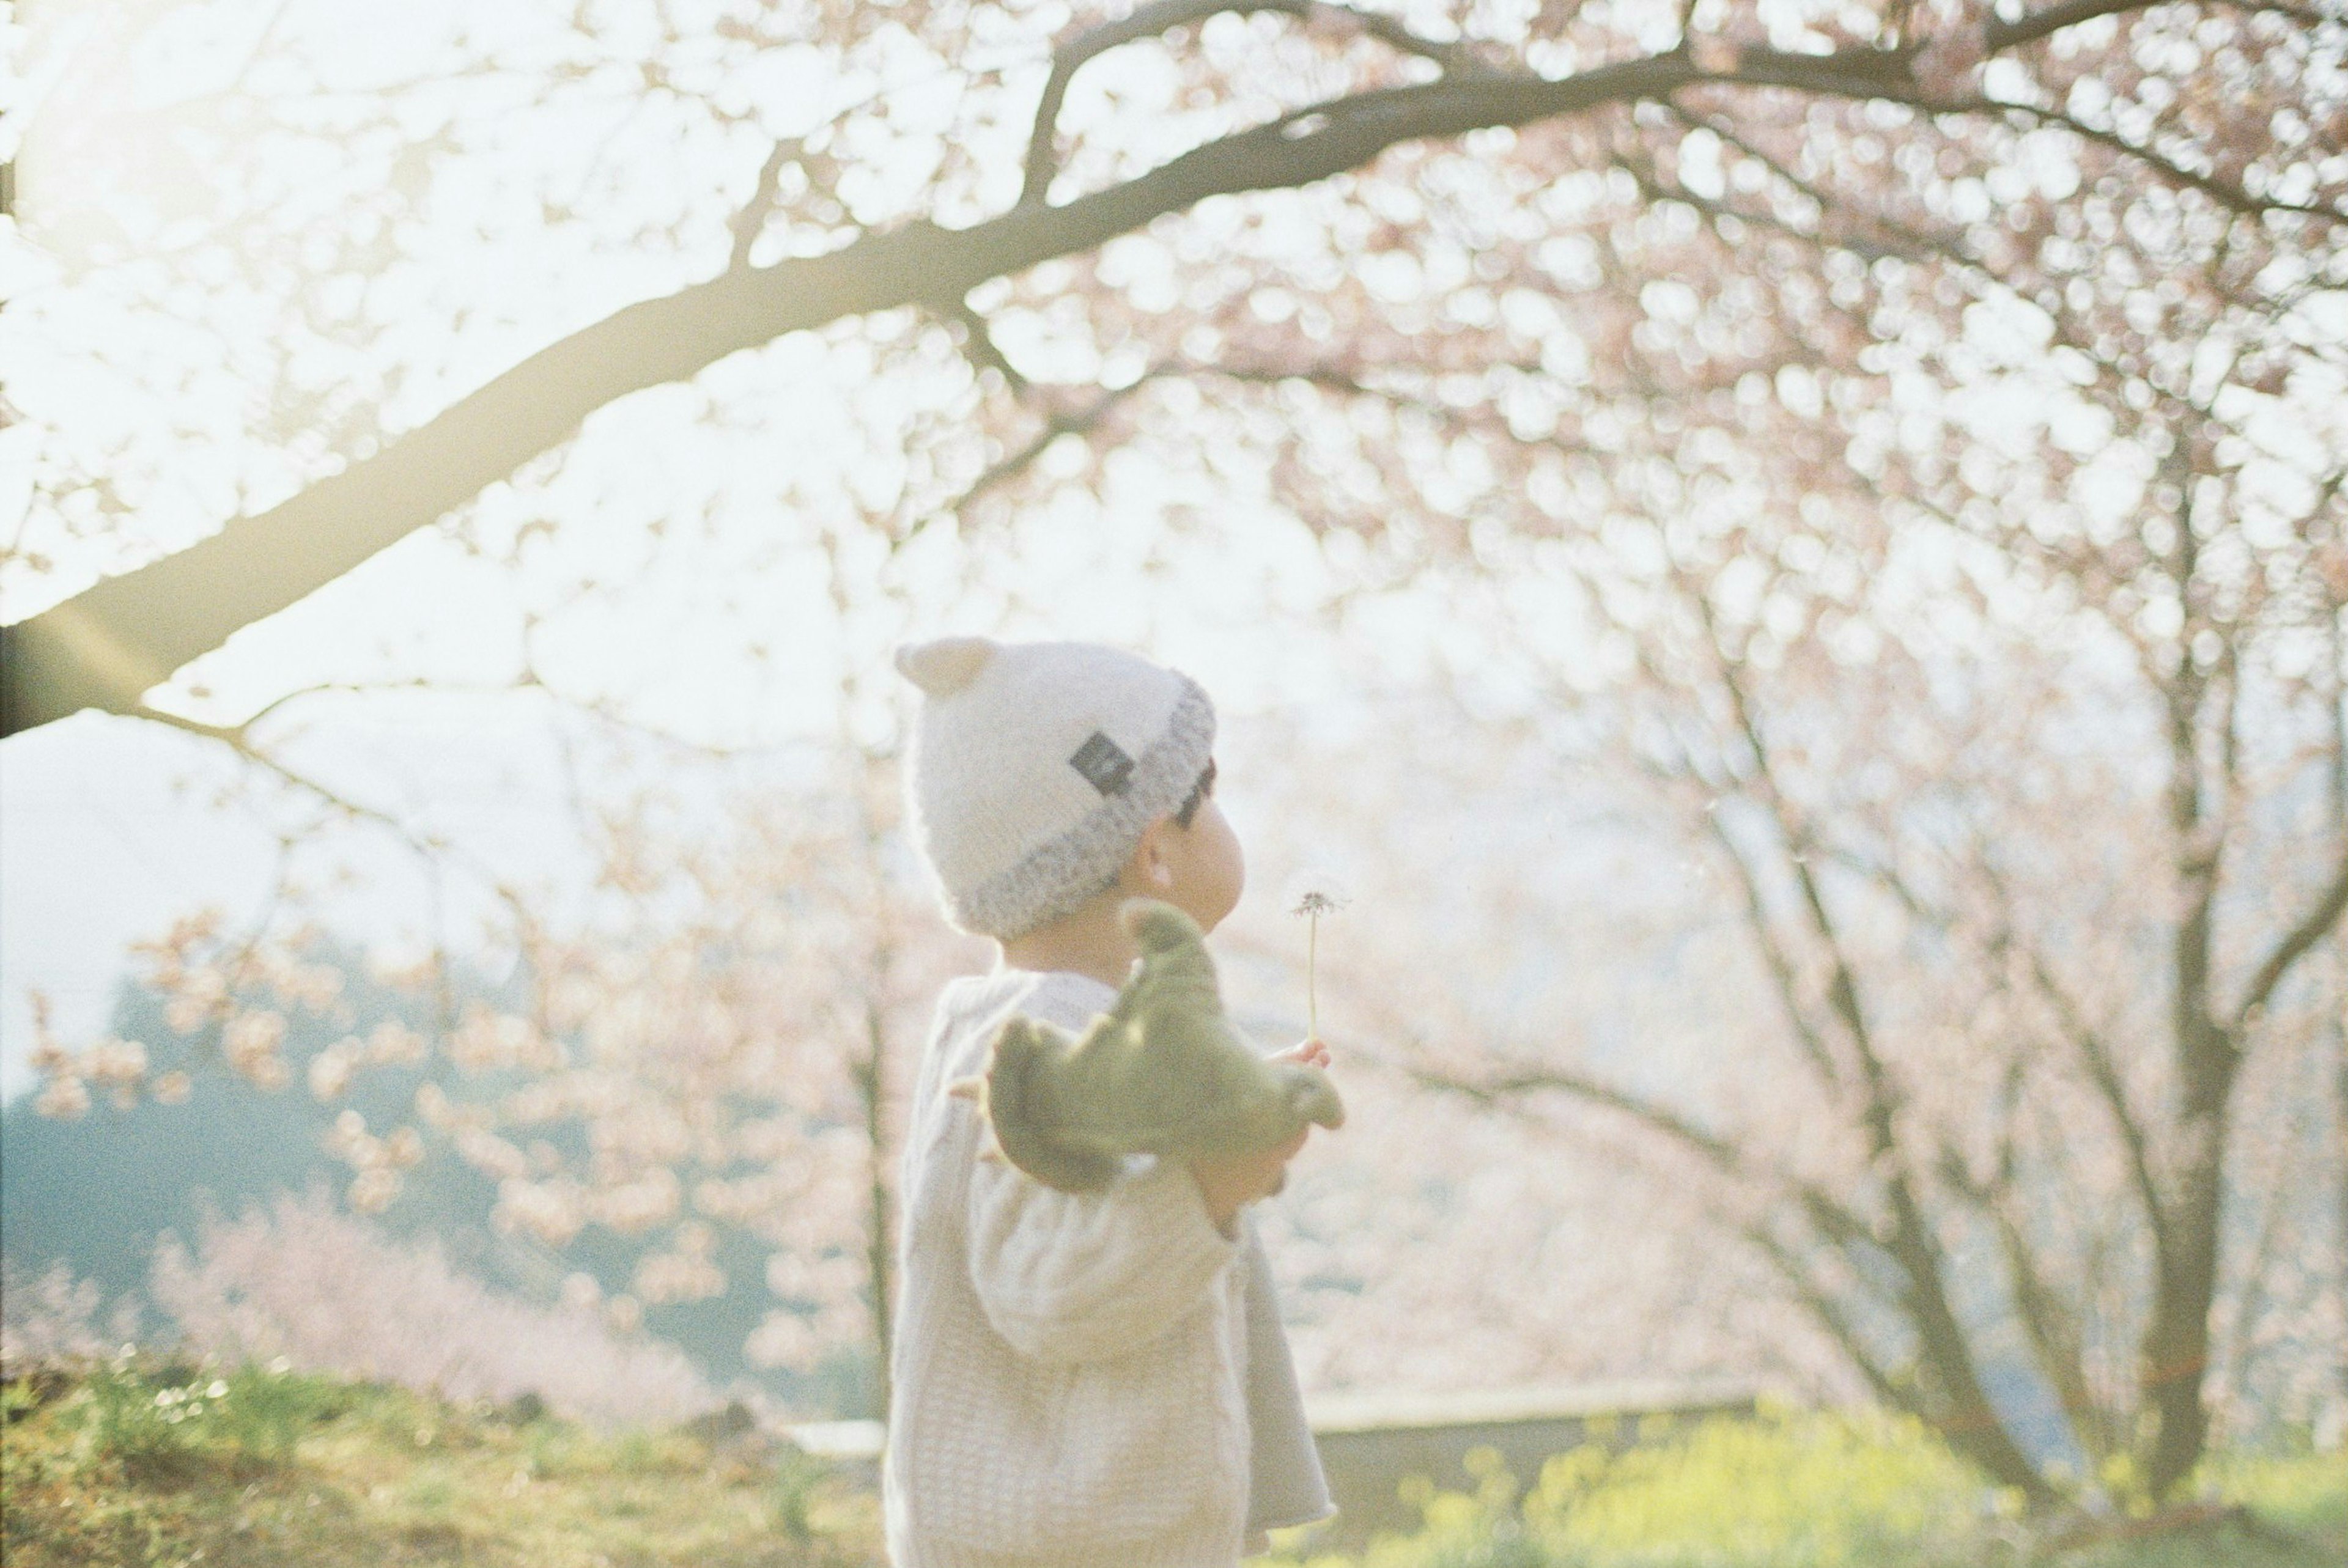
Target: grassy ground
{"x": 275, "y": 1470}
{"x": 1812, "y": 1490}
{"x": 143, "y": 1464}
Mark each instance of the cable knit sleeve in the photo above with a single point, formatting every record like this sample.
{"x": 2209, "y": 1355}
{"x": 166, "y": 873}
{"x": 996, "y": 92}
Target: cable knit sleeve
{"x": 1086, "y": 1276}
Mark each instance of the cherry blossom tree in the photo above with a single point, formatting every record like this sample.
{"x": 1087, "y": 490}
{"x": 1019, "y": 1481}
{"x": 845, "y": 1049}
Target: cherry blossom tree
{"x": 1363, "y": 119}
{"x": 1905, "y": 436}
{"x": 1947, "y": 514}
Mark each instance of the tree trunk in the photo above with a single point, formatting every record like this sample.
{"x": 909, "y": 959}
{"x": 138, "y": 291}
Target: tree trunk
{"x": 2176, "y": 1348}
{"x": 879, "y": 1234}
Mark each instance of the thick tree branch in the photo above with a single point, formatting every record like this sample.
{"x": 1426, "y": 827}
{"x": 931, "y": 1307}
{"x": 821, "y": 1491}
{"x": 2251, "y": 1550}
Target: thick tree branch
{"x": 1999, "y": 36}
{"x": 114, "y": 641}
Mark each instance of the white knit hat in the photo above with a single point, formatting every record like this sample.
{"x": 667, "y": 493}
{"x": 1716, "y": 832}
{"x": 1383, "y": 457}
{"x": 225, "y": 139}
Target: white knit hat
{"x": 1036, "y": 765}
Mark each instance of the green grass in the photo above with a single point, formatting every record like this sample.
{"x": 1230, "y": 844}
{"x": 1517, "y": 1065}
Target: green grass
{"x": 138, "y": 1463}
{"x": 1827, "y": 1490}
{"x": 135, "y": 1463}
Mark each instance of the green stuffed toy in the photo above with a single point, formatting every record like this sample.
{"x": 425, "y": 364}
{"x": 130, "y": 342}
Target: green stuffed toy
{"x": 1162, "y": 1072}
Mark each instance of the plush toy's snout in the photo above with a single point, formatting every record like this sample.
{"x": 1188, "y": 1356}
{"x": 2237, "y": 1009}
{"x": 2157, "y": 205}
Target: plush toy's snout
{"x": 1315, "y": 1100}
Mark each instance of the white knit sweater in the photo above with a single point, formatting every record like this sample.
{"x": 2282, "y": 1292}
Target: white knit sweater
{"x": 1069, "y": 1368}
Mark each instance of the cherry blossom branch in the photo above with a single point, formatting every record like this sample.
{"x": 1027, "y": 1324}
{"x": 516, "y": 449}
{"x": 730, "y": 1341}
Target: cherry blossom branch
{"x": 2049, "y": 1323}
{"x": 2232, "y": 197}
{"x": 2105, "y": 1074}
{"x": 747, "y": 223}
{"x": 1080, "y": 422}
{"x": 1968, "y": 1421}
{"x": 106, "y": 646}
{"x": 429, "y": 847}
{"x": 2071, "y": 1021}
{"x": 2001, "y": 35}
{"x": 2294, "y": 945}
{"x": 1161, "y": 16}
{"x": 1838, "y": 1322}
{"x": 1842, "y": 988}
{"x": 1773, "y": 953}
{"x": 1833, "y": 1219}
{"x": 978, "y": 344}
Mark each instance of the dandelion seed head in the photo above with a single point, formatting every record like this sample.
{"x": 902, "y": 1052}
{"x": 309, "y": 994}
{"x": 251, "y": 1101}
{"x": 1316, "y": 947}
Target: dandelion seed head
{"x": 1315, "y": 892}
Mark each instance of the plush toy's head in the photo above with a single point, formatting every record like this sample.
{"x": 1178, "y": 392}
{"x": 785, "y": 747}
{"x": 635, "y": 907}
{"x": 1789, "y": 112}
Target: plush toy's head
{"x": 1035, "y": 768}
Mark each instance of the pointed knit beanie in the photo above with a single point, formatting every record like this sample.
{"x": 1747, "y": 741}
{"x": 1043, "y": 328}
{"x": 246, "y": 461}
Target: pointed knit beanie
{"x": 1035, "y": 766}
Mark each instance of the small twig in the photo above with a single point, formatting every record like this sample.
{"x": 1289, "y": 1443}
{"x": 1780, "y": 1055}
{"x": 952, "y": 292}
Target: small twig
{"x": 749, "y": 223}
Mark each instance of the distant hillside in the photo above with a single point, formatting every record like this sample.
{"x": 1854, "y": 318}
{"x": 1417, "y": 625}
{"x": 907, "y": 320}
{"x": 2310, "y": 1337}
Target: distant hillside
{"x": 97, "y": 1192}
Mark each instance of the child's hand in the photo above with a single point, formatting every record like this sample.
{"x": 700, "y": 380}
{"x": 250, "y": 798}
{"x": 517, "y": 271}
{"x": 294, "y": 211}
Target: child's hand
{"x": 1230, "y": 1184}
{"x": 1306, "y": 1053}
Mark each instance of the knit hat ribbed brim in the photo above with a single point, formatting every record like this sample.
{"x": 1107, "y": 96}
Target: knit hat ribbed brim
{"x": 1035, "y": 767}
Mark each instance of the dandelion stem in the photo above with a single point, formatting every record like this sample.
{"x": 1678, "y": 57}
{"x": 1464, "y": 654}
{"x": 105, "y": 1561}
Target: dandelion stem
{"x": 1313, "y": 905}
{"x": 1311, "y": 986}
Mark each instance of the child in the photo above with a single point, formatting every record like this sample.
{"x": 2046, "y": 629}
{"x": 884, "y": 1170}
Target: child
{"x": 1081, "y": 1380}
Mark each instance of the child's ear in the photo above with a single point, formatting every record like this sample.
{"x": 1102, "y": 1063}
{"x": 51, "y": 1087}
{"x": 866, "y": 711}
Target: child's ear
{"x": 1161, "y": 862}
{"x": 1150, "y": 869}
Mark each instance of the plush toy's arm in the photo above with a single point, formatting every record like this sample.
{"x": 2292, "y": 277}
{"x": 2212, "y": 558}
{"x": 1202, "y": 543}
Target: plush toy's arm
{"x": 1079, "y": 1276}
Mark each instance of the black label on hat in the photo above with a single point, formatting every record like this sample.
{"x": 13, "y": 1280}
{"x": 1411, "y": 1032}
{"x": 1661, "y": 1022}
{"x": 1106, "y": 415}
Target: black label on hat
{"x": 1105, "y": 767}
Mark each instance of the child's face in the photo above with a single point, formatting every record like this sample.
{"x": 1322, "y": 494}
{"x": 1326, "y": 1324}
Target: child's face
{"x": 1198, "y": 869}
{"x": 1211, "y": 868}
